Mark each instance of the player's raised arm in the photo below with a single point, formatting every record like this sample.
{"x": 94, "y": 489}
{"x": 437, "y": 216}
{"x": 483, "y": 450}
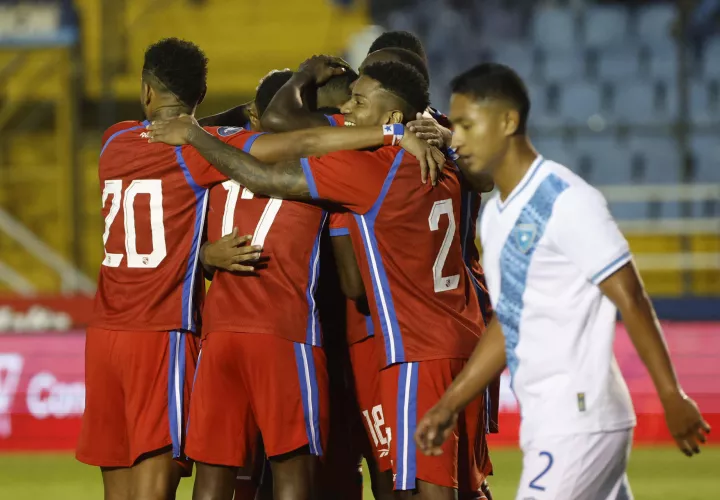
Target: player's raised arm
{"x": 233, "y": 117}
{"x": 486, "y": 362}
{"x": 289, "y": 109}
{"x": 684, "y": 420}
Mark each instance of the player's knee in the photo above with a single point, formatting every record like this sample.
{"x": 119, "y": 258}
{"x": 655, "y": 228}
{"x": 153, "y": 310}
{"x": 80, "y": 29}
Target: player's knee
{"x": 429, "y": 491}
{"x": 214, "y": 482}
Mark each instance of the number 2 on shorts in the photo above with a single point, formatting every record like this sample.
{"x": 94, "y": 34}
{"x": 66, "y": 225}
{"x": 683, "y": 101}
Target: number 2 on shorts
{"x": 533, "y": 483}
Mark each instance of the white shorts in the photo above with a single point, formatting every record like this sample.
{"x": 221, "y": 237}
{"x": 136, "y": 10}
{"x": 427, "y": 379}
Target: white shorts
{"x": 576, "y": 467}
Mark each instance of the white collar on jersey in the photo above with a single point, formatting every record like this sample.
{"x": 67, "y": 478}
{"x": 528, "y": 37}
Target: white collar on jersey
{"x": 534, "y": 167}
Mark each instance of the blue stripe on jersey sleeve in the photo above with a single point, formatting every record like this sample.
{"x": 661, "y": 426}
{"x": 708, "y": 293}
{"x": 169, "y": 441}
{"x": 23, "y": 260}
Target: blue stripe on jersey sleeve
{"x": 309, "y": 178}
{"x": 339, "y": 231}
{"x": 333, "y": 121}
{"x": 250, "y": 141}
{"x": 120, "y": 132}
{"x": 606, "y": 271}
{"x": 188, "y": 290}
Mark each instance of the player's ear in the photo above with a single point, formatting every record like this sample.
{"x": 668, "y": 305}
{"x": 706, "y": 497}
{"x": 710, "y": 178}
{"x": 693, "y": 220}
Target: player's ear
{"x": 254, "y": 118}
{"x": 511, "y": 122}
{"x": 148, "y": 94}
{"x": 394, "y": 117}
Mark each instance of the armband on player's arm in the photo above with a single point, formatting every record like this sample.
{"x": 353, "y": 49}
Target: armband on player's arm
{"x": 234, "y": 117}
{"x": 287, "y": 111}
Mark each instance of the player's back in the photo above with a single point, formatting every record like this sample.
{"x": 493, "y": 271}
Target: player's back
{"x": 427, "y": 307}
{"x": 280, "y": 297}
{"x": 546, "y": 249}
{"x": 154, "y": 215}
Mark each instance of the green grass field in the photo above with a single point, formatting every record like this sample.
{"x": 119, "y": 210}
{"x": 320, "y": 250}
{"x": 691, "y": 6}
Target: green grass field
{"x": 654, "y": 473}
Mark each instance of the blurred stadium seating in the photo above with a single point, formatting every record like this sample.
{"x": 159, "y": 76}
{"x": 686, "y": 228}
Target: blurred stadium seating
{"x": 607, "y": 88}
{"x": 607, "y": 82}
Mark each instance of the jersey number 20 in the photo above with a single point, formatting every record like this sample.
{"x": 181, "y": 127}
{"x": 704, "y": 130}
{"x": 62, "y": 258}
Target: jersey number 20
{"x": 152, "y": 187}
{"x": 440, "y": 208}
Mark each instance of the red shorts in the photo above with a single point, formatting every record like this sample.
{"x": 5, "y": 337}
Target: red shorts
{"x": 365, "y": 360}
{"x": 256, "y": 383}
{"x": 408, "y": 391}
{"x": 137, "y": 388}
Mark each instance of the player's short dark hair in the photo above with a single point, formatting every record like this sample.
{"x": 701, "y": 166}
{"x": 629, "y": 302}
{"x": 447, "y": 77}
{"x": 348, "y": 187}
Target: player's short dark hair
{"x": 269, "y": 87}
{"x": 180, "y": 66}
{"x": 405, "y": 82}
{"x": 399, "y": 40}
{"x": 411, "y": 58}
{"x": 495, "y": 81}
{"x": 340, "y": 83}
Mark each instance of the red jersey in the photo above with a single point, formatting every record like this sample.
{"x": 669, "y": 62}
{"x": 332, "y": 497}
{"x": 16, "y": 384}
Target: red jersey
{"x": 154, "y": 214}
{"x": 279, "y": 299}
{"x": 410, "y": 254}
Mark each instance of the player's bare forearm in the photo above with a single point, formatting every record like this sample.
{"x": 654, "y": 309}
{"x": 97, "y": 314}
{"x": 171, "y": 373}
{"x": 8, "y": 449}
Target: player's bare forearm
{"x": 282, "y": 180}
{"x": 234, "y": 117}
{"x": 273, "y": 148}
{"x": 625, "y": 289}
{"x": 287, "y": 111}
{"x": 486, "y": 362}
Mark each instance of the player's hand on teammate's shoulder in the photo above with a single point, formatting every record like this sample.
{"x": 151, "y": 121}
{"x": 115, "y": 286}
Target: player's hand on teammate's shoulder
{"x": 426, "y": 127}
{"x": 232, "y": 253}
{"x": 175, "y": 132}
{"x": 431, "y": 159}
{"x": 434, "y": 429}
{"x": 321, "y": 68}
{"x": 685, "y": 422}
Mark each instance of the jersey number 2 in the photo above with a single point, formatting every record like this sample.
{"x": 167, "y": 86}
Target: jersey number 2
{"x": 152, "y": 187}
{"x": 443, "y": 283}
{"x": 266, "y": 219}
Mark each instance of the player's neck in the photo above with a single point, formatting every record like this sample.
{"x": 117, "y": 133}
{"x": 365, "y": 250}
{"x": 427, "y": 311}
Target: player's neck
{"x": 168, "y": 112}
{"x": 514, "y": 166}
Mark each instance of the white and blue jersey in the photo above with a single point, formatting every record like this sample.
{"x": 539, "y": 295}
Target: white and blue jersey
{"x": 547, "y": 247}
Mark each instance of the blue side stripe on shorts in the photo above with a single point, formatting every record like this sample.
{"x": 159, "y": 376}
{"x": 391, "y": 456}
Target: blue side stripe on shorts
{"x": 309, "y": 390}
{"x": 176, "y": 389}
{"x": 406, "y": 423}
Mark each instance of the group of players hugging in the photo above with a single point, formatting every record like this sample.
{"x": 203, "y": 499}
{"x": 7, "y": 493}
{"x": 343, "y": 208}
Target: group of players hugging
{"x": 337, "y": 226}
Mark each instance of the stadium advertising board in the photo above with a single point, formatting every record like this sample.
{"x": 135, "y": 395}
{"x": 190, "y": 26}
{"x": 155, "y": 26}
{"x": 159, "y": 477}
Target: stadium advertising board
{"x": 44, "y": 314}
{"x": 42, "y": 394}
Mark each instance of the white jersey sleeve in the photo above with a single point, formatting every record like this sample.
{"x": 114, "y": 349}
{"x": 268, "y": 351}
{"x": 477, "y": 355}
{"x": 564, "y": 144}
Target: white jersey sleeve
{"x": 583, "y": 230}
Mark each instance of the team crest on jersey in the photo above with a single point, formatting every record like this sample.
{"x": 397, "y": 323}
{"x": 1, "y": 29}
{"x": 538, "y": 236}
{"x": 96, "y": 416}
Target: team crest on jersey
{"x": 525, "y": 236}
{"x": 226, "y": 131}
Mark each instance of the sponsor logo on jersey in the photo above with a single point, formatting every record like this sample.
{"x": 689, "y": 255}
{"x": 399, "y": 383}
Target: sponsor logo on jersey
{"x": 227, "y": 131}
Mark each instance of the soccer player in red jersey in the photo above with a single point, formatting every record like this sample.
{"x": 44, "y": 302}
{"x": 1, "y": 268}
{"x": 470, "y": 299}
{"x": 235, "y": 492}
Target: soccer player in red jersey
{"x": 404, "y": 233}
{"x": 264, "y": 372}
{"x": 140, "y": 347}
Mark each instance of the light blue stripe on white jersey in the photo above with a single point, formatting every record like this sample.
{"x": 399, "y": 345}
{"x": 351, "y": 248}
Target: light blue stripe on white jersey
{"x": 515, "y": 258}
